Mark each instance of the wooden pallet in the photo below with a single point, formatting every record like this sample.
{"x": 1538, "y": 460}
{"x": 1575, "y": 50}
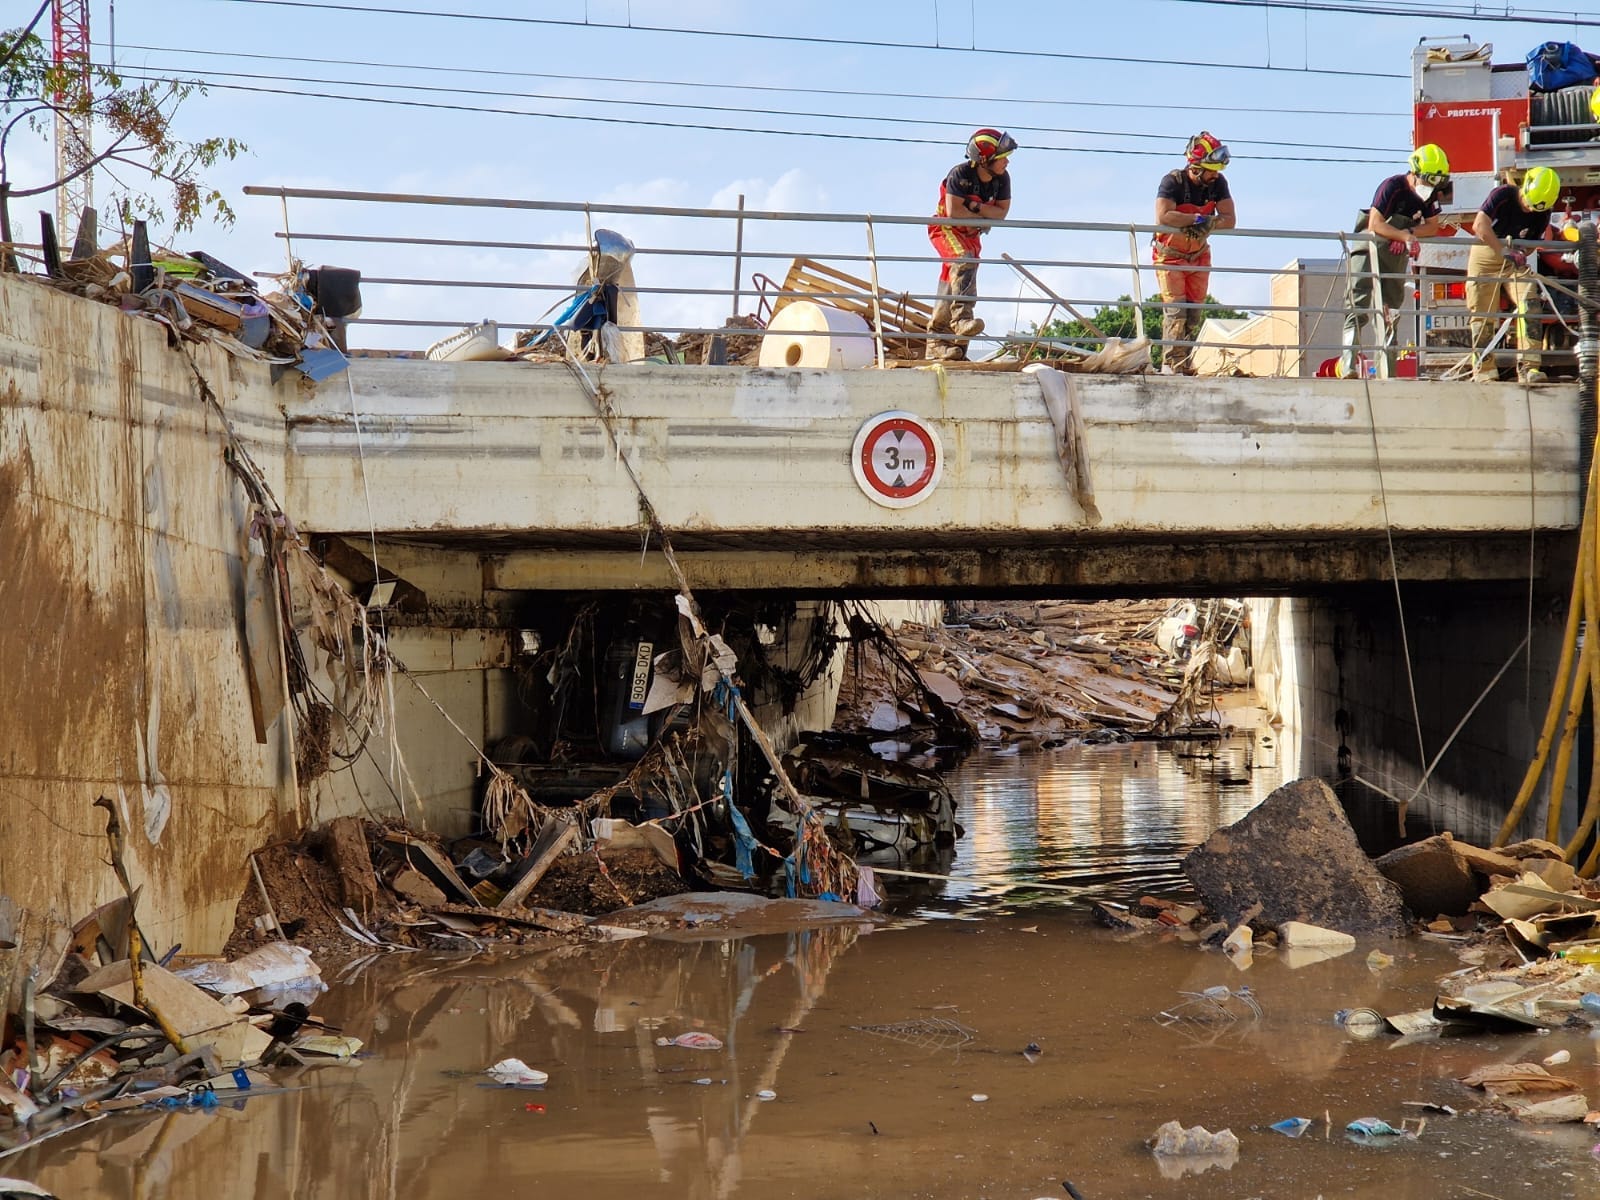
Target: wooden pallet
{"x": 904, "y": 320}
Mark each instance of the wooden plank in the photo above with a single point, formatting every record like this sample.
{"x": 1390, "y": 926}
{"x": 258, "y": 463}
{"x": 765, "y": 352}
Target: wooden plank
{"x": 552, "y": 840}
{"x": 553, "y": 919}
{"x": 438, "y": 869}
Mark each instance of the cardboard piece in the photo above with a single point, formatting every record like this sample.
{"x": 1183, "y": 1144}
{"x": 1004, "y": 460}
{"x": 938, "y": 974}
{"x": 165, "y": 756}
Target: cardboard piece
{"x": 196, "y": 1017}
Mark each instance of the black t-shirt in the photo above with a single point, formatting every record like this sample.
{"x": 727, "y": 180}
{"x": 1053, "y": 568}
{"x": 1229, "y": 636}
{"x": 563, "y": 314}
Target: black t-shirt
{"x": 1396, "y": 199}
{"x": 1509, "y": 218}
{"x": 963, "y": 181}
{"x": 1190, "y": 196}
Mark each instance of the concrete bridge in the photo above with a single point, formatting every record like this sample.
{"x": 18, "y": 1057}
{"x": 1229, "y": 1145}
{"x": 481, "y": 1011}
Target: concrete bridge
{"x": 1234, "y": 484}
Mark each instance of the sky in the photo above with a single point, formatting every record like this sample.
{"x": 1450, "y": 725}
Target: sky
{"x": 823, "y": 107}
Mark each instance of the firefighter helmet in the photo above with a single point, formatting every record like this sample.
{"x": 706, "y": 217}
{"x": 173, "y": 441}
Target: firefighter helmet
{"x": 1429, "y": 164}
{"x": 1594, "y": 103}
{"x": 989, "y": 144}
{"x": 1206, "y": 152}
{"x": 1540, "y": 187}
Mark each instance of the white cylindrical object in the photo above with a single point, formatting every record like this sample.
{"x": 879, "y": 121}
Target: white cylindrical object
{"x": 808, "y": 334}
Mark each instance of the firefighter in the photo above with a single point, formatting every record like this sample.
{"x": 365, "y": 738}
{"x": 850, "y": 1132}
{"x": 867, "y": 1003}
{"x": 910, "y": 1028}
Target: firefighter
{"x": 1495, "y": 268}
{"x": 1190, "y": 203}
{"x": 978, "y": 187}
{"x": 1405, "y": 208}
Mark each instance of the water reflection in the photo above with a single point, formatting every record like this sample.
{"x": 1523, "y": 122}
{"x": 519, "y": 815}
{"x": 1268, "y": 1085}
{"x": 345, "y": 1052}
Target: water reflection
{"x": 1109, "y": 820}
{"x": 1066, "y": 1042}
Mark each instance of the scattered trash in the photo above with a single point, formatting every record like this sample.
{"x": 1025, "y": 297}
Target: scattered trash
{"x": 277, "y": 966}
{"x": 1291, "y": 1126}
{"x": 1529, "y": 1092}
{"x": 1370, "y": 1128}
{"x": 1214, "y": 1004}
{"x": 925, "y": 1033}
{"x": 693, "y": 1040}
{"x": 513, "y": 1072}
{"x": 979, "y": 1097}
{"x": 1239, "y": 946}
{"x": 1195, "y": 1149}
{"x": 1559, "y": 1057}
{"x": 766, "y": 1094}
{"x": 1430, "y": 1106}
{"x": 1362, "y": 1022}
{"x": 1379, "y": 961}
{"x": 1314, "y": 937}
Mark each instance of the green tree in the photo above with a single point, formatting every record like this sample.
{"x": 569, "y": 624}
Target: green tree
{"x": 1117, "y": 320}
{"x": 156, "y": 175}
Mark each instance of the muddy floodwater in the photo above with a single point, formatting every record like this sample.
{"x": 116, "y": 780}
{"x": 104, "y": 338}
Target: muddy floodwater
{"x": 885, "y": 1058}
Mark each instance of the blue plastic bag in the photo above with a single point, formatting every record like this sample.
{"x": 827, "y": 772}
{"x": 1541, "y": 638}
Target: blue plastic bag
{"x": 1557, "y": 65}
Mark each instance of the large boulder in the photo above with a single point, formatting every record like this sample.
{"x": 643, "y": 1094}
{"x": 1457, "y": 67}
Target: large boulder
{"x": 1432, "y": 877}
{"x": 1296, "y": 856}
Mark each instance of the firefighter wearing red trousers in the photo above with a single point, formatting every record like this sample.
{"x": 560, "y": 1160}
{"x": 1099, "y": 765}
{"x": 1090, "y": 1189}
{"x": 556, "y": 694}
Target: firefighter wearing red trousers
{"x": 979, "y": 187}
{"x": 1190, "y": 203}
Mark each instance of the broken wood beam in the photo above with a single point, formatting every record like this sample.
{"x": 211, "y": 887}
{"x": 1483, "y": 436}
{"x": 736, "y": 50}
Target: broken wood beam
{"x": 556, "y": 835}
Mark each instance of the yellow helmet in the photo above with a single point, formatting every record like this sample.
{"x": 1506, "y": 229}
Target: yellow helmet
{"x": 1430, "y": 164}
{"x": 1540, "y": 187}
{"x": 1594, "y": 103}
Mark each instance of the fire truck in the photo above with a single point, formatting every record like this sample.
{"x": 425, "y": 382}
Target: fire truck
{"x": 1493, "y": 126}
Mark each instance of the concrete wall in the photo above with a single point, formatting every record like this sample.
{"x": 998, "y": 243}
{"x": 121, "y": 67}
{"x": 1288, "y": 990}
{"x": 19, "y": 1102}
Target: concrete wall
{"x": 750, "y": 469}
{"x": 1336, "y": 670}
{"x": 121, "y": 581}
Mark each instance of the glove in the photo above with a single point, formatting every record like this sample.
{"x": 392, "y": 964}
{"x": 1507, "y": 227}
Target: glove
{"x": 974, "y": 205}
{"x": 1416, "y": 250}
{"x": 1517, "y": 257}
{"x": 1397, "y": 247}
{"x": 1203, "y": 223}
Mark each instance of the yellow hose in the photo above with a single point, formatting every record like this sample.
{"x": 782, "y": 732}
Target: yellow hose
{"x": 1552, "y": 716}
{"x": 1591, "y": 807}
{"x": 1569, "y": 735}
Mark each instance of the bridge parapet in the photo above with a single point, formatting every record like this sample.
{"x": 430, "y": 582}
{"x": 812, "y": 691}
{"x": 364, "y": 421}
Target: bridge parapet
{"x": 1228, "y": 483}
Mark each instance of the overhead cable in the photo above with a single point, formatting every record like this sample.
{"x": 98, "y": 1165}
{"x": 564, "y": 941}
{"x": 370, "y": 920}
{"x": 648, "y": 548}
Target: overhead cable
{"x": 210, "y": 78}
{"x": 834, "y": 135}
{"x": 186, "y": 52}
{"x": 808, "y": 39}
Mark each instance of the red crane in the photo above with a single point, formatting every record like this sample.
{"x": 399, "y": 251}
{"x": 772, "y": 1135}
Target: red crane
{"x": 74, "y": 145}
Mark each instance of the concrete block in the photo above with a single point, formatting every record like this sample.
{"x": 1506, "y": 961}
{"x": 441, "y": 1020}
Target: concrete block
{"x": 1433, "y": 879}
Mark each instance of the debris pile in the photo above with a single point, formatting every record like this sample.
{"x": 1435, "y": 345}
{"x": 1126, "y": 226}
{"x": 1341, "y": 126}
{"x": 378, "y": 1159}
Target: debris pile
{"x": 358, "y": 884}
{"x": 109, "y": 1030}
{"x": 199, "y": 298}
{"x": 1041, "y": 672}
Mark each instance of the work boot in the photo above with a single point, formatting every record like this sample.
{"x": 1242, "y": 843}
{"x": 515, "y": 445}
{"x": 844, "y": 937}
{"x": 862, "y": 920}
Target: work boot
{"x": 969, "y": 327}
{"x": 1532, "y": 375}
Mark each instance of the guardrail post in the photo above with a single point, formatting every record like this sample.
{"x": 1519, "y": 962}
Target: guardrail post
{"x": 738, "y": 253}
{"x": 877, "y": 301}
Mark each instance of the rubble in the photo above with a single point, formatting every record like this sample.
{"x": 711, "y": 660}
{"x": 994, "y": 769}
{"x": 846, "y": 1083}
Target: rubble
{"x": 199, "y": 298}
{"x": 1296, "y": 856}
{"x": 1040, "y": 672}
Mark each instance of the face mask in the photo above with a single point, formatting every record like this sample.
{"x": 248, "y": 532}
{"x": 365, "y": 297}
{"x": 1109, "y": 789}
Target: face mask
{"x": 1425, "y": 191}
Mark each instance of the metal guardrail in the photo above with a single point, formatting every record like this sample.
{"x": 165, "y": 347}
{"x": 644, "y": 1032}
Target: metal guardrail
{"x": 689, "y": 240}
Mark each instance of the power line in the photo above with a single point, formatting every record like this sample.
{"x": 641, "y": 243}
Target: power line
{"x": 1434, "y": 11}
{"x": 654, "y": 124}
{"x": 22, "y": 36}
{"x": 212, "y": 77}
{"x": 698, "y": 84}
{"x": 808, "y": 39}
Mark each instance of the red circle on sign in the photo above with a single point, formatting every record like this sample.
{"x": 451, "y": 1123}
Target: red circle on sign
{"x": 898, "y": 459}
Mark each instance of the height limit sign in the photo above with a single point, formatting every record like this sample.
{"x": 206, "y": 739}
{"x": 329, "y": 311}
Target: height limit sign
{"x": 897, "y": 459}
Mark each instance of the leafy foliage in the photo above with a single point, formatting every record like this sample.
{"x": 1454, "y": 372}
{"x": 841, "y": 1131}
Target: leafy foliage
{"x": 156, "y": 175}
{"x": 1117, "y": 320}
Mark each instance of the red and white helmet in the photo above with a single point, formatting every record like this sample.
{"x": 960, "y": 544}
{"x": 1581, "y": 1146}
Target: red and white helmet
{"x": 1206, "y": 152}
{"x": 989, "y": 144}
